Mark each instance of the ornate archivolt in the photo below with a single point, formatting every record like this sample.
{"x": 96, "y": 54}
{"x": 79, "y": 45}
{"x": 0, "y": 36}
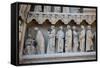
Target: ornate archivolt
{"x": 53, "y": 17}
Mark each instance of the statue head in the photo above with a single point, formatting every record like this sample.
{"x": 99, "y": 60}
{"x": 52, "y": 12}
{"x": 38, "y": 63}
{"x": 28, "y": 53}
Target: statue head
{"x": 74, "y": 27}
{"x": 82, "y": 27}
{"x": 61, "y": 27}
{"x": 36, "y": 28}
{"x": 68, "y": 27}
{"x": 89, "y": 27}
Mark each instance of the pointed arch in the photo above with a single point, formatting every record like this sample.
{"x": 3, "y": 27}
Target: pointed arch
{"x": 59, "y": 23}
{"x": 72, "y": 23}
{"x": 84, "y": 23}
{"x": 32, "y": 23}
{"x": 47, "y": 21}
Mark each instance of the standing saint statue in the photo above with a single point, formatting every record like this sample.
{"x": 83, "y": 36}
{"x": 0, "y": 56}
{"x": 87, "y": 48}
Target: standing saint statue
{"x": 68, "y": 39}
{"x": 30, "y": 46}
{"x": 89, "y": 41}
{"x": 51, "y": 40}
{"x": 75, "y": 40}
{"x": 82, "y": 39}
{"x": 60, "y": 38}
{"x": 40, "y": 41}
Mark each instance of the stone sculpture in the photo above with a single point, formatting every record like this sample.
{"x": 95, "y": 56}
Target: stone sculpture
{"x": 68, "y": 39}
{"x": 89, "y": 41}
{"x": 60, "y": 40}
{"x": 75, "y": 40}
{"x": 51, "y": 40}
{"x": 82, "y": 39}
{"x": 40, "y": 41}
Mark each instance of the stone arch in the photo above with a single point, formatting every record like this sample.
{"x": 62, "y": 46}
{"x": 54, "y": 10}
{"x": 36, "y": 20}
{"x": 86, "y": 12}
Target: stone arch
{"x": 47, "y": 22}
{"x": 84, "y": 23}
{"x": 72, "y": 23}
{"x": 32, "y": 23}
{"x": 59, "y": 23}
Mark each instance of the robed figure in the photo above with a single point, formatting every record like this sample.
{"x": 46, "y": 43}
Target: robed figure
{"x": 75, "y": 40}
{"x": 60, "y": 40}
{"x": 82, "y": 39}
{"x": 68, "y": 39}
{"x": 40, "y": 41}
{"x": 89, "y": 39}
{"x": 30, "y": 46}
{"x": 51, "y": 40}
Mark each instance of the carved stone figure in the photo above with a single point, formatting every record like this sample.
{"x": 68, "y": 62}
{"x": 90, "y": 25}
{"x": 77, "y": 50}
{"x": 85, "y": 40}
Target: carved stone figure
{"x": 53, "y": 32}
{"x": 60, "y": 40}
{"x": 29, "y": 46}
{"x": 51, "y": 40}
{"x": 40, "y": 42}
{"x": 68, "y": 39}
{"x": 89, "y": 41}
{"x": 82, "y": 39}
{"x": 75, "y": 40}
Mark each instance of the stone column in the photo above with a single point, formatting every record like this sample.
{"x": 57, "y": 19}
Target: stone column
{"x": 23, "y": 14}
{"x": 22, "y": 41}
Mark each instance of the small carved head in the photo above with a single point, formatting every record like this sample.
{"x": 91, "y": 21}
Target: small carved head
{"x": 89, "y": 27}
{"x": 36, "y": 28}
{"x": 68, "y": 27}
{"x": 74, "y": 27}
{"x": 61, "y": 27}
{"x": 82, "y": 27}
